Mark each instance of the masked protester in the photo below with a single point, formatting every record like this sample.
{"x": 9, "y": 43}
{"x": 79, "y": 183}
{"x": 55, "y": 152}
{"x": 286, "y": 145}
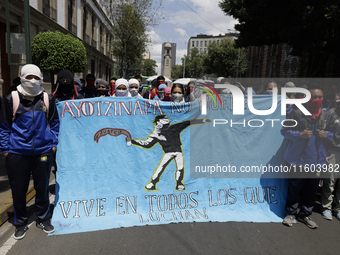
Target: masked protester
{"x": 330, "y": 191}
{"x": 103, "y": 89}
{"x": 190, "y": 89}
{"x": 29, "y": 129}
{"x": 90, "y": 88}
{"x": 122, "y": 88}
{"x": 66, "y": 89}
{"x": 134, "y": 88}
{"x": 112, "y": 85}
{"x": 177, "y": 93}
{"x": 167, "y": 94}
{"x": 306, "y": 150}
{"x": 79, "y": 85}
{"x": 160, "y": 80}
{"x": 160, "y": 96}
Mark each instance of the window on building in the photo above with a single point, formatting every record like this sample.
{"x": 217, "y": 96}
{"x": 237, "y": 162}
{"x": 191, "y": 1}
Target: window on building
{"x": 205, "y": 43}
{"x": 197, "y": 43}
{"x": 84, "y": 23}
{"x": 201, "y": 50}
{"x": 193, "y": 44}
{"x": 209, "y": 42}
{"x": 205, "y": 49}
{"x": 201, "y": 43}
{"x": 70, "y": 14}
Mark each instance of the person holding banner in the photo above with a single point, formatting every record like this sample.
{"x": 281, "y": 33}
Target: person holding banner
{"x": 103, "y": 89}
{"x": 134, "y": 87}
{"x": 122, "y": 88}
{"x": 29, "y": 129}
{"x": 66, "y": 89}
{"x": 330, "y": 191}
{"x": 306, "y": 150}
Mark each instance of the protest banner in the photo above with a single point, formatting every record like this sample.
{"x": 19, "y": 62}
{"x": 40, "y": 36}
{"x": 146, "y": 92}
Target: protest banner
{"x": 126, "y": 162}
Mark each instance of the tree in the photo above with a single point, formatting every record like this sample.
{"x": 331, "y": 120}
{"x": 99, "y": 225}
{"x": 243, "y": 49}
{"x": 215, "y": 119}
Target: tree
{"x": 131, "y": 21}
{"x": 55, "y": 51}
{"x": 193, "y": 64}
{"x": 148, "y": 67}
{"x": 310, "y": 27}
{"x": 225, "y": 59}
{"x": 177, "y": 71}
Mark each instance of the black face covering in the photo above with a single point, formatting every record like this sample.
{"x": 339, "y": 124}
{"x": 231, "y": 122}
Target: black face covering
{"x": 65, "y": 80}
{"x": 102, "y": 92}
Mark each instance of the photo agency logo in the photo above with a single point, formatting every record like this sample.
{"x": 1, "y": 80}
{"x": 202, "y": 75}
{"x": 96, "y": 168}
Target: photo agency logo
{"x": 238, "y": 102}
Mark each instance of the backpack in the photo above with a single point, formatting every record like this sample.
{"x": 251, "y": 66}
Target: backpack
{"x": 16, "y": 102}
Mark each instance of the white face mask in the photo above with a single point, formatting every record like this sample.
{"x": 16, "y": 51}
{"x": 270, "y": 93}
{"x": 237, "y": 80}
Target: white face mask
{"x": 133, "y": 92}
{"x": 121, "y": 93}
{"x": 177, "y": 97}
{"x": 161, "y": 95}
{"x": 30, "y": 87}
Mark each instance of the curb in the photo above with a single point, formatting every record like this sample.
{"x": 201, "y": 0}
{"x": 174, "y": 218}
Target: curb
{"x": 6, "y": 203}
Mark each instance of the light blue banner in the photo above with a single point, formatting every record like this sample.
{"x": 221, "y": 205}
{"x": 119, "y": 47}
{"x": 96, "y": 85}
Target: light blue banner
{"x": 126, "y": 162}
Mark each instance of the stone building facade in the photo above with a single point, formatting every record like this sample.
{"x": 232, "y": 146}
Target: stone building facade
{"x": 84, "y": 19}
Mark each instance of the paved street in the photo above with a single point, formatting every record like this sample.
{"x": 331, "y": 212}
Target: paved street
{"x": 182, "y": 238}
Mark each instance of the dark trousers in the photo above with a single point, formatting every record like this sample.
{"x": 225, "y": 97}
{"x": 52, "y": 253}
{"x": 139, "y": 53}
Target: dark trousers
{"x": 19, "y": 169}
{"x": 301, "y": 192}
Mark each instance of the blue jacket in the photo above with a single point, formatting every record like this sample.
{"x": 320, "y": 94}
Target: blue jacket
{"x": 32, "y": 132}
{"x": 304, "y": 152}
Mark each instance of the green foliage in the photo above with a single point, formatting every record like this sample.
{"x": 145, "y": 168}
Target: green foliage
{"x": 310, "y": 27}
{"x": 177, "y": 72}
{"x": 55, "y": 51}
{"x": 225, "y": 59}
{"x": 130, "y": 28}
{"x": 148, "y": 67}
{"x": 194, "y": 64}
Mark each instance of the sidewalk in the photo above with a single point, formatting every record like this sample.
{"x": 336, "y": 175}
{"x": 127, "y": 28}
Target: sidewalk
{"x": 6, "y": 203}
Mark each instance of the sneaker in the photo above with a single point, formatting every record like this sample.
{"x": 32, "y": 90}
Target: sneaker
{"x": 288, "y": 220}
{"x": 180, "y": 186}
{"x": 46, "y": 226}
{"x": 20, "y": 232}
{"x": 327, "y": 215}
{"x": 338, "y": 215}
{"x": 150, "y": 186}
{"x": 308, "y": 221}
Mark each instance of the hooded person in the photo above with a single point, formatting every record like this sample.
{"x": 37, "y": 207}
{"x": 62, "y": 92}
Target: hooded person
{"x": 103, "y": 88}
{"x": 122, "y": 88}
{"x": 30, "y": 79}
{"x": 79, "y": 85}
{"x": 196, "y": 93}
{"x": 66, "y": 89}
{"x": 160, "y": 96}
{"x": 90, "y": 88}
{"x": 134, "y": 87}
{"x": 29, "y": 128}
{"x": 167, "y": 94}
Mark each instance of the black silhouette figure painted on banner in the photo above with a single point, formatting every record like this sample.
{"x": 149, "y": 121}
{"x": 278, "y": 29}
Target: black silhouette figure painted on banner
{"x": 168, "y": 137}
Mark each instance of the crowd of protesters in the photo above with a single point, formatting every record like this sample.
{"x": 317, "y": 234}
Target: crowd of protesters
{"x": 29, "y": 128}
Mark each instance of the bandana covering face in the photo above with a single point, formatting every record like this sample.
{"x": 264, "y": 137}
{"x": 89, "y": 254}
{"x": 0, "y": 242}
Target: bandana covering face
{"x": 90, "y": 84}
{"x": 30, "y": 88}
{"x": 121, "y": 93}
{"x": 167, "y": 97}
{"x": 177, "y": 97}
{"x": 314, "y": 106}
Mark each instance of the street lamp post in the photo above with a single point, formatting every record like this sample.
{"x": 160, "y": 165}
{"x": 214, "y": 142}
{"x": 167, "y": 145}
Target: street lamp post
{"x": 184, "y": 62}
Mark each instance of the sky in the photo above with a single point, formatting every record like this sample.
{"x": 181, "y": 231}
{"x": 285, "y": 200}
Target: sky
{"x": 180, "y": 23}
